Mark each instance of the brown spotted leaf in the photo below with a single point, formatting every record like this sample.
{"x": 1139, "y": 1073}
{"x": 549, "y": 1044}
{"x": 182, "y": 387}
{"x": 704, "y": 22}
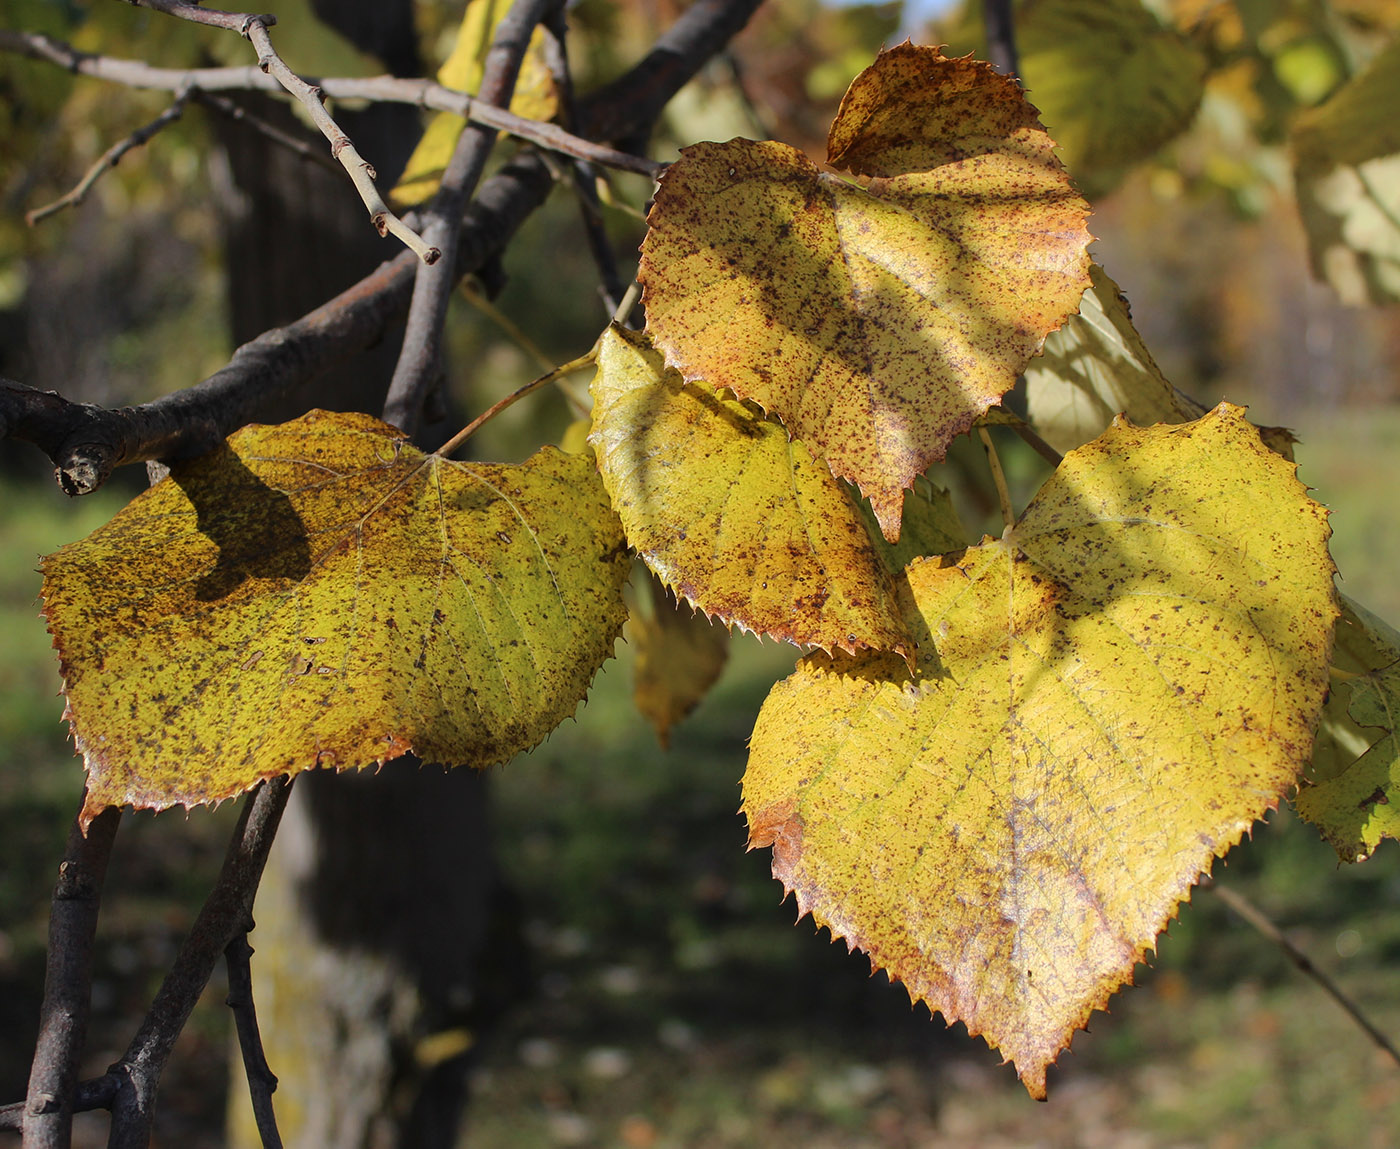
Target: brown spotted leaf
{"x": 680, "y": 655}
{"x": 1105, "y": 700}
{"x": 731, "y": 515}
{"x": 879, "y": 319}
{"x": 322, "y": 593}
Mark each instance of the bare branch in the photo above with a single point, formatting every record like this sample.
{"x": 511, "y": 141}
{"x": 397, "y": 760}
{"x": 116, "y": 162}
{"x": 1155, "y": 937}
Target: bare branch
{"x": 254, "y": 28}
{"x": 87, "y": 442}
{"x": 262, "y": 1082}
{"x": 356, "y": 166}
{"x": 1265, "y": 925}
{"x": 63, "y": 1018}
{"x": 90, "y": 1095}
{"x": 109, "y": 159}
{"x": 225, "y": 914}
{"x": 185, "y": 10}
{"x": 582, "y": 175}
{"x": 420, "y": 361}
{"x": 241, "y": 115}
{"x": 379, "y": 89}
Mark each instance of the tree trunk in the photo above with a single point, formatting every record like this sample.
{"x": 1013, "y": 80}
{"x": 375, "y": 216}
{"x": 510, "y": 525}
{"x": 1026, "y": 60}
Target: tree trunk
{"x": 373, "y": 910}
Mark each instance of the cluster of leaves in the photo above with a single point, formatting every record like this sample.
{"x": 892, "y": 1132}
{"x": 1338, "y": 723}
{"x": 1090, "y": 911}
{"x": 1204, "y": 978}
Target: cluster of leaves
{"x": 1002, "y": 765}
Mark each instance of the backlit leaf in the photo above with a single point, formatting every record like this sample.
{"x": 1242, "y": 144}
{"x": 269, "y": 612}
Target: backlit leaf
{"x": 730, "y": 514}
{"x": 931, "y": 527}
{"x": 1112, "y": 84}
{"x": 322, "y": 593}
{"x": 877, "y": 320}
{"x": 1105, "y": 700}
{"x": 1356, "y": 772}
{"x": 680, "y": 655}
{"x": 534, "y": 96}
{"x": 1095, "y": 367}
{"x": 1347, "y": 173}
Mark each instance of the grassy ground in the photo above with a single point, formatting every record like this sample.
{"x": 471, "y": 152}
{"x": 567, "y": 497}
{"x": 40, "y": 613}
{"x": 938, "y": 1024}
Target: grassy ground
{"x": 674, "y": 1001}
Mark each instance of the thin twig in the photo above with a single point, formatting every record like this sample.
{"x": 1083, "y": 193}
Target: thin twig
{"x": 241, "y": 115}
{"x": 253, "y": 27}
{"x": 582, "y": 175}
{"x": 376, "y": 89}
{"x": 1034, "y": 441}
{"x": 1261, "y": 922}
{"x": 356, "y": 166}
{"x": 513, "y": 398}
{"x": 63, "y": 1018}
{"x": 94, "y": 1094}
{"x": 262, "y": 1082}
{"x": 109, "y": 159}
{"x": 212, "y": 17}
{"x": 1008, "y": 516}
{"x": 225, "y": 913}
{"x": 419, "y": 367}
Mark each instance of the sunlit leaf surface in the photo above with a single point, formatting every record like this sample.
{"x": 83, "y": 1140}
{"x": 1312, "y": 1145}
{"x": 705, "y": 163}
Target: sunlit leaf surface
{"x": 730, "y": 514}
{"x": 322, "y": 593}
{"x": 877, "y": 319}
{"x": 1105, "y": 700}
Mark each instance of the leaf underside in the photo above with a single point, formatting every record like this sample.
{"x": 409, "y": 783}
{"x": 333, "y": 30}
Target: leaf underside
{"x": 322, "y": 593}
{"x": 1105, "y": 700}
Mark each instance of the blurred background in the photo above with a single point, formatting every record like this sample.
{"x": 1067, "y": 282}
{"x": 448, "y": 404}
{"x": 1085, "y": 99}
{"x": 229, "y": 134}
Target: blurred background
{"x": 651, "y": 988}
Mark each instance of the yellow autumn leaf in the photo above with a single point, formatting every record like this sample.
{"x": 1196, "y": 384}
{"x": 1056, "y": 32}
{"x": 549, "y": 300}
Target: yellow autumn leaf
{"x": 1346, "y": 155}
{"x": 1106, "y": 699}
{"x": 877, "y": 320}
{"x": 1095, "y": 367}
{"x": 680, "y": 655}
{"x": 534, "y": 97}
{"x": 1356, "y": 760}
{"x": 730, "y": 514}
{"x": 1111, "y": 82}
{"x": 930, "y": 527}
{"x": 322, "y": 593}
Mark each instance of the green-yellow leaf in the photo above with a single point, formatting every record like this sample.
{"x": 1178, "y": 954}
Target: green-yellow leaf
{"x": 931, "y": 527}
{"x": 1355, "y": 773}
{"x": 730, "y": 514}
{"x": 1112, "y": 84}
{"x": 680, "y": 655}
{"x": 877, "y": 320}
{"x": 1347, "y": 174}
{"x": 534, "y": 96}
{"x": 322, "y": 593}
{"x": 1106, "y": 699}
{"x": 1095, "y": 367}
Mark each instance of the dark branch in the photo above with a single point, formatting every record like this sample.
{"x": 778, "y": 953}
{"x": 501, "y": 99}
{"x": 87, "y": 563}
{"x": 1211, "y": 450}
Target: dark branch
{"x": 262, "y": 1082}
{"x": 225, "y": 914}
{"x": 86, "y": 443}
{"x": 419, "y": 367}
{"x": 1001, "y": 37}
{"x": 90, "y": 1095}
{"x": 63, "y": 1018}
